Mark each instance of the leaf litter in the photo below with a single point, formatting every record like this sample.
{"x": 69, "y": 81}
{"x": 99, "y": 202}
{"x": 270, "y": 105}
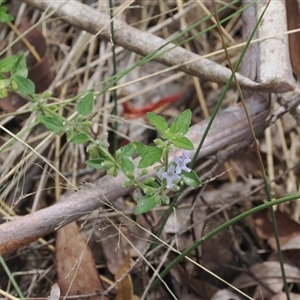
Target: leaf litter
{"x": 243, "y": 255}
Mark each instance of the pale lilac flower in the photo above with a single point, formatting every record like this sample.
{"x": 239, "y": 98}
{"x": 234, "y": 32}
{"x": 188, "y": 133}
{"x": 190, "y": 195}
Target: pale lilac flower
{"x": 181, "y": 162}
{"x": 170, "y": 176}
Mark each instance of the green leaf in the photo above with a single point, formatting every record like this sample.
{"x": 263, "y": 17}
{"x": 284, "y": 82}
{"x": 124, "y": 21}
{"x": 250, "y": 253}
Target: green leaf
{"x": 127, "y": 150}
{"x": 126, "y": 164}
{"x": 151, "y": 187}
{"x": 80, "y": 138}
{"x": 113, "y": 171}
{"x": 149, "y": 154}
{"x": 93, "y": 151}
{"x": 182, "y": 122}
{"x": 52, "y": 123}
{"x": 95, "y": 163}
{"x": 86, "y": 104}
{"x": 165, "y": 199}
{"x": 25, "y": 85}
{"x": 4, "y": 16}
{"x": 20, "y": 67}
{"x": 190, "y": 179}
{"x": 7, "y": 63}
{"x": 157, "y": 121}
{"x": 168, "y": 135}
{"x": 183, "y": 143}
{"x": 145, "y": 204}
{"x": 123, "y": 155}
{"x": 4, "y": 83}
{"x": 148, "y": 190}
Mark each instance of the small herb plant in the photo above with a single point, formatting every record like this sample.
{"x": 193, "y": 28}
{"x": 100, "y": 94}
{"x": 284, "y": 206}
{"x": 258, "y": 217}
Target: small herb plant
{"x": 170, "y": 175}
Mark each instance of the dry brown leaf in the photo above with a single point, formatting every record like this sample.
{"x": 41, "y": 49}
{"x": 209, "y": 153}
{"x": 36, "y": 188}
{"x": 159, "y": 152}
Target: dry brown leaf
{"x": 292, "y": 250}
{"x": 292, "y": 244}
{"x": 109, "y": 238}
{"x": 287, "y": 228}
{"x": 216, "y": 251}
{"x": 12, "y": 102}
{"x": 293, "y": 20}
{"x": 203, "y": 289}
{"x": 268, "y": 273}
{"x": 75, "y": 266}
{"x": 38, "y": 72}
{"x": 125, "y": 288}
{"x": 282, "y": 296}
{"x": 114, "y": 244}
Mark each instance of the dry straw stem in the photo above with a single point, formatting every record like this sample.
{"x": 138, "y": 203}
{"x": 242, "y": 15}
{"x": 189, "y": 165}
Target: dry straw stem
{"x": 144, "y": 43}
{"x": 230, "y": 127}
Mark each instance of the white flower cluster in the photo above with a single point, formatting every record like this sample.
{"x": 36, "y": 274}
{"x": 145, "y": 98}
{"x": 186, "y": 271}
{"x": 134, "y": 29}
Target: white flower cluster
{"x": 173, "y": 173}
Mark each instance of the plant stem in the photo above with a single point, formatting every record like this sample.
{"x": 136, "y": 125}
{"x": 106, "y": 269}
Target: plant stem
{"x": 217, "y": 230}
{"x": 114, "y": 61}
{"x": 11, "y": 277}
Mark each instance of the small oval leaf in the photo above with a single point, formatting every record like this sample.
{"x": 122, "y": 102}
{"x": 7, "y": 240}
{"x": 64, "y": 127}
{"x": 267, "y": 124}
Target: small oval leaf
{"x": 190, "y": 179}
{"x": 85, "y": 105}
{"x": 183, "y": 143}
{"x": 145, "y": 204}
{"x": 182, "y": 122}
{"x": 52, "y": 123}
{"x": 24, "y": 85}
{"x": 95, "y": 163}
{"x": 80, "y": 138}
{"x": 157, "y": 121}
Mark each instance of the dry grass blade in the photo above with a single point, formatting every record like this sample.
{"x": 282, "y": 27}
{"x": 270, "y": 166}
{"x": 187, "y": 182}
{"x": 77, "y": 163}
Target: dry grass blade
{"x": 39, "y": 170}
{"x": 84, "y": 17}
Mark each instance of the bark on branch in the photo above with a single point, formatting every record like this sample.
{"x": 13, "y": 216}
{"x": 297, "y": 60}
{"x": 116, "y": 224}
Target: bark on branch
{"x": 144, "y": 43}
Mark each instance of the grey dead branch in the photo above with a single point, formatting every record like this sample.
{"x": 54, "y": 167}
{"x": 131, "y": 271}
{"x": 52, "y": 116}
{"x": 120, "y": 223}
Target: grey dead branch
{"x": 230, "y": 127}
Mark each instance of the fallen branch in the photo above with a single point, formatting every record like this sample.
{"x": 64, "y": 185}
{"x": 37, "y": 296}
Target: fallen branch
{"x": 230, "y": 127}
{"x": 142, "y": 42}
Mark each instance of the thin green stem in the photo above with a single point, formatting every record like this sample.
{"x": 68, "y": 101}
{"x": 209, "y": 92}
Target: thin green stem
{"x": 211, "y": 120}
{"x": 276, "y": 233}
{"x": 173, "y": 203}
{"x": 228, "y": 84}
{"x": 264, "y": 176}
{"x": 11, "y": 277}
{"x": 217, "y": 230}
{"x": 114, "y": 61}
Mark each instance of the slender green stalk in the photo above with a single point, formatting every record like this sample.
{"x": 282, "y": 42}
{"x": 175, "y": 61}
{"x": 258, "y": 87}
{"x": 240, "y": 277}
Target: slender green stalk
{"x": 174, "y": 201}
{"x": 276, "y": 233}
{"x": 227, "y": 86}
{"x": 211, "y": 120}
{"x": 261, "y": 165}
{"x": 11, "y": 277}
{"x": 217, "y": 230}
{"x": 114, "y": 61}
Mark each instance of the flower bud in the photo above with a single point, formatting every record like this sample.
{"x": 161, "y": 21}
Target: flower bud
{"x": 144, "y": 172}
{"x": 46, "y": 94}
{"x": 127, "y": 184}
{"x": 165, "y": 199}
{"x": 149, "y": 180}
